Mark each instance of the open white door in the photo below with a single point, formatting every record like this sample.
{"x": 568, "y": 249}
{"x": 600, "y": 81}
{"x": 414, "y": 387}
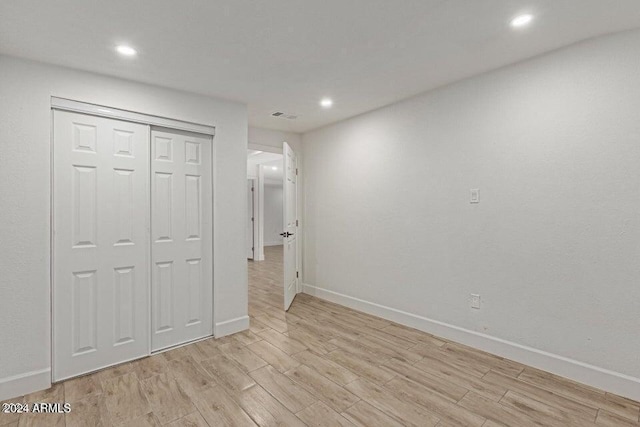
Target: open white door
{"x": 290, "y": 215}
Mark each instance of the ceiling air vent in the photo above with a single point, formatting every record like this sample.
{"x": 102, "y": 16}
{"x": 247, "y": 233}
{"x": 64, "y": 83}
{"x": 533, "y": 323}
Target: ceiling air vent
{"x": 284, "y": 115}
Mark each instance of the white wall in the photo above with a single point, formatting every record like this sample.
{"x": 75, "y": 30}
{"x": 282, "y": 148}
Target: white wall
{"x": 553, "y": 247}
{"x": 25, "y": 135}
{"x": 273, "y": 198}
{"x": 275, "y": 138}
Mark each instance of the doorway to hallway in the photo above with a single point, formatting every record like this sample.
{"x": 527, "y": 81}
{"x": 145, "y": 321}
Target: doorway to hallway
{"x": 272, "y": 216}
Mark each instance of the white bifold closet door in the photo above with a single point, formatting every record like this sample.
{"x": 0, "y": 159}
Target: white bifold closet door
{"x": 181, "y": 237}
{"x": 100, "y": 243}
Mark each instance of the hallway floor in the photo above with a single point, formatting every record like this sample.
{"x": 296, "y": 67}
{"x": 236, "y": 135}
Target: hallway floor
{"x": 323, "y": 364}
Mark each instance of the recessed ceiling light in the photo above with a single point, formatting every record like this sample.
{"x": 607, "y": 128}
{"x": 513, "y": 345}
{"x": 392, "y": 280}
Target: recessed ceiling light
{"x": 521, "y": 20}
{"x": 126, "y": 50}
{"x": 274, "y": 168}
{"x": 326, "y": 103}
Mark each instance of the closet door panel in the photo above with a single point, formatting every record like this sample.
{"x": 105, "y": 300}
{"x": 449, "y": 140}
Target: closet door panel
{"x": 182, "y": 282}
{"x": 100, "y": 243}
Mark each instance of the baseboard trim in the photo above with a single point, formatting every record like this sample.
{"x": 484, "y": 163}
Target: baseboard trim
{"x": 232, "y": 326}
{"x": 604, "y": 379}
{"x": 22, "y": 384}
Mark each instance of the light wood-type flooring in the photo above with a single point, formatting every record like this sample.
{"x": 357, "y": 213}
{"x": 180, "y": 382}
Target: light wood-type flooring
{"x": 321, "y": 364}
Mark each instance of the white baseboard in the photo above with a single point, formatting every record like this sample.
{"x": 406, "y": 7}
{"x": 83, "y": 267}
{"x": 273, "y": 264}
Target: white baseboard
{"x": 22, "y": 384}
{"x": 232, "y": 326}
{"x": 604, "y": 379}
{"x": 276, "y": 243}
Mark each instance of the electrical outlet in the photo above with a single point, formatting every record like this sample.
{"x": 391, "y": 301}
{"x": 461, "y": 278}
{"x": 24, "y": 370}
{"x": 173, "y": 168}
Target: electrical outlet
{"x": 475, "y": 301}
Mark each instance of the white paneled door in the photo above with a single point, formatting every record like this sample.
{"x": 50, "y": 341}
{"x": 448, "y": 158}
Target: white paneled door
{"x": 101, "y": 243}
{"x": 181, "y": 238}
{"x": 290, "y": 223}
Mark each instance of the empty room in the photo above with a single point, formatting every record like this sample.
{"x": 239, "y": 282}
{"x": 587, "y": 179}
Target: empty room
{"x": 320, "y": 213}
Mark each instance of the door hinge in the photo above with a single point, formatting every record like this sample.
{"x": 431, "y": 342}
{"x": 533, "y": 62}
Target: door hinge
{"x": 251, "y": 188}
{"x": 297, "y": 274}
{"x": 252, "y": 219}
{"x": 296, "y": 171}
{"x": 296, "y": 222}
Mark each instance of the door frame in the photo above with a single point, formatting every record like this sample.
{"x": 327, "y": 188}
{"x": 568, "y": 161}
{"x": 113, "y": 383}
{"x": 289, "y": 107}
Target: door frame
{"x": 258, "y": 254}
{"x": 65, "y": 104}
{"x": 278, "y": 150}
{"x": 266, "y": 148}
{"x": 254, "y": 222}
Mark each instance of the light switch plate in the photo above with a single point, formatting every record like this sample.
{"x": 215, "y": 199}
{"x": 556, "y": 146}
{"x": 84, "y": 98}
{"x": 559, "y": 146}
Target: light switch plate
{"x": 475, "y": 195}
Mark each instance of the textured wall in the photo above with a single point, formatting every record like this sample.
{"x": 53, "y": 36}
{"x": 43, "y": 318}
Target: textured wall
{"x": 25, "y": 135}
{"x": 553, "y": 247}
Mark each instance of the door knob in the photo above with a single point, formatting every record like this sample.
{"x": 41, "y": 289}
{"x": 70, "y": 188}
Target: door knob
{"x": 286, "y": 234}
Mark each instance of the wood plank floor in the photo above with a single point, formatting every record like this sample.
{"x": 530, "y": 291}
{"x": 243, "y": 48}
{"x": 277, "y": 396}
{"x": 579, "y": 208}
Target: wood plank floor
{"x": 321, "y": 364}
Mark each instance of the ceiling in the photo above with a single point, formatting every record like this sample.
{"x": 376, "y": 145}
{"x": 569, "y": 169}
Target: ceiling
{"x": 285, "y": 55}
{"x": 269, "y": 161}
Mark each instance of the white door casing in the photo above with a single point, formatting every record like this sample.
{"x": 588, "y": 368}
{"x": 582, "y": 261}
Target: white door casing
{"x": 100, "y": 243}
{"x": 250, "y": 219}
{"x": 290, "y": 224}
{"x": 181, "y": 237}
